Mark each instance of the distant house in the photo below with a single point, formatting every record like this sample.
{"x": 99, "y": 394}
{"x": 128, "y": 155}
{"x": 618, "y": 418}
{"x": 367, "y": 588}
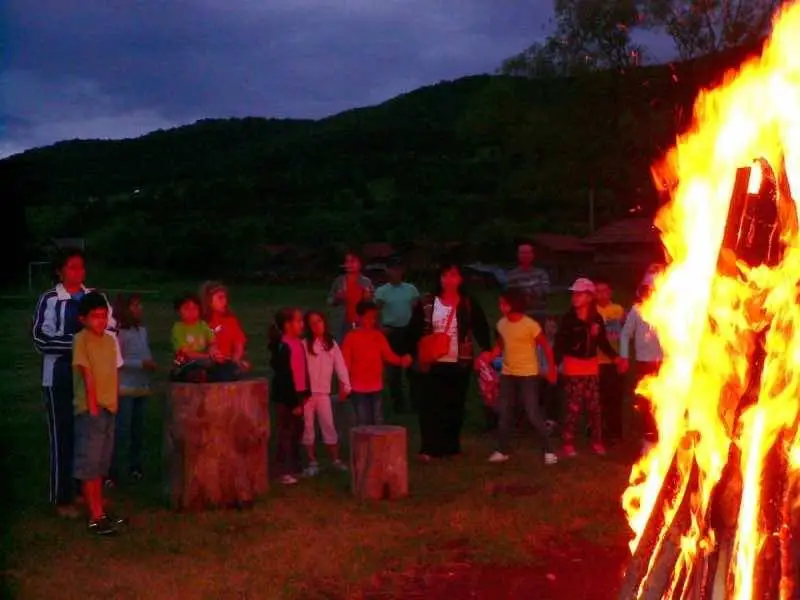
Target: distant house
{"x": 564, "y": 257}
{"x": 625, "y": 248}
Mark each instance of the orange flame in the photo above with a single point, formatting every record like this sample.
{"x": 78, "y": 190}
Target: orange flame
{"x": 707, "y": 320}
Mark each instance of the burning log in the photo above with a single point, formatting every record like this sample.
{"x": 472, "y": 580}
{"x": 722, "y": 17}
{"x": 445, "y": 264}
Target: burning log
{"x": 658, "y": 568}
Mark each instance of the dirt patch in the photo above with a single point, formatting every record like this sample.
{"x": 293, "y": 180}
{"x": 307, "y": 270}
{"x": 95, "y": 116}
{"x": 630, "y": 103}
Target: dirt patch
{"x": 576, "y": 570}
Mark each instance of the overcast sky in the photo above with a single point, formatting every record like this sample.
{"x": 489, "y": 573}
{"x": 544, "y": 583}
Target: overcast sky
{"x": 121, "y": 68}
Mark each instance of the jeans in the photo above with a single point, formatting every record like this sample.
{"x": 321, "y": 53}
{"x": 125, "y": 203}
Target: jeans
{"x": 397, "y": 338}
{"x": 289, "y": 430}
{"x": 130, "y": 432}
{"x": 368, "y": 407}
{"x": 526, "y": 391}
{"x": 441, "y": 408}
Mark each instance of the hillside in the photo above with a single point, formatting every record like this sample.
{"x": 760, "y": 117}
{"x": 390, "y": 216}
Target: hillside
{"x": 481, "y": 158}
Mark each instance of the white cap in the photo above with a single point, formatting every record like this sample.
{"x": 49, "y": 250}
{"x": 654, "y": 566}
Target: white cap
{"x": 582, "y": 285}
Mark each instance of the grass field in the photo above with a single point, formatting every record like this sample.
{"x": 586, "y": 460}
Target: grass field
{"x": 469, "y": 529}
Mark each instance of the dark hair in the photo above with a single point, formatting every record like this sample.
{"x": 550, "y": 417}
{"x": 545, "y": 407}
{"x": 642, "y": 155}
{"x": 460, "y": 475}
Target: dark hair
{"x": 355, "y": 254}
{"x": 525, "y": 242}
{"x": 61, "y": 258}
{"x": 515, "y": 299}
{"x": 327, "y": 338}
{"x": 365, "y": 306}
{"x": 207, "y": 291}
{"x": 282, "y": 317}
{"x": 600, "y": 281}
{"x": 91, "y": 301}
{"x": 444, "y": 267}
{"x": 122, "y": 310}
{"x": 185, "y": 298}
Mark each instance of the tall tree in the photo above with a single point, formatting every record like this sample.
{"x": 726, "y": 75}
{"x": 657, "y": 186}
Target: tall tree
{"x": 590, "y": 35}
{"x": 700, "y": 27}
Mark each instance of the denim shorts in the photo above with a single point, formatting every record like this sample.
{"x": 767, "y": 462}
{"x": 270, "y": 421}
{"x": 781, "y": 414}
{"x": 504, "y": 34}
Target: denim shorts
{"x": 94, "y": 444}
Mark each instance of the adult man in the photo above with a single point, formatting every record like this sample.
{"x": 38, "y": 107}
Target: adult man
{"x": 533, "y": 282}
{"x": 396, "y": 300}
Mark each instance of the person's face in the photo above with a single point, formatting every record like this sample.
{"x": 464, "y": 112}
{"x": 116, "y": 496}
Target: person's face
{"x": 73, "y": 273}
{"x": 316, "y": 325}
{"x": 96, "y": 321}
{"x": 219, "y": 301}
{"x": 189, "y": 312}
{"x": 369, "y": 319}
{"x": 352, "y": 264}
{"x": 505, "y": 307}
{"x": 451, "y": 280}
{"x": 395, "y": 274}
{"x": 603, "y": 291}
{"x": 296, "y": 326}
{"x": 581, "y": 299}
{"x": 525, "y": 255}
{"x": 136, "y": 309}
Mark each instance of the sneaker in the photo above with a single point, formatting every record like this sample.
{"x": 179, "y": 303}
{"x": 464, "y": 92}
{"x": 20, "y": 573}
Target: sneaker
{"x": 550, "y": 458}
{"x": 101, "y": 527}
{"x": 599, "y": 449}
{"x": 109, "y": 483}
{"x": 339, "y": 466}
{"x": 116, "y": 521}
{"x": 498, "y": 457}
{"x": 312, "y": 470}
{"x": 136, "y": 475}
{"x": 569, "y": 451}
{"x": 288, "y": 480}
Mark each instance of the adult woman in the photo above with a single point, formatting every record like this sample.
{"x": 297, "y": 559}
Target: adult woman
{"x": 443, "y": 386}
{"x": 55, "y": 324}
{"x": 347, "y": 291}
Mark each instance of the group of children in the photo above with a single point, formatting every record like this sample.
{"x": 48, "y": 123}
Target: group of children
{"x": 586, "y": 352}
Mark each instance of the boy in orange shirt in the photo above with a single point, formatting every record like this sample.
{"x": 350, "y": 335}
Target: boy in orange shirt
{"x": 366, "y": 350}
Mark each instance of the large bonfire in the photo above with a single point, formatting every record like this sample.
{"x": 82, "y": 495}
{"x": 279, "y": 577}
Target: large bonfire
{"x": 714, "y": 505}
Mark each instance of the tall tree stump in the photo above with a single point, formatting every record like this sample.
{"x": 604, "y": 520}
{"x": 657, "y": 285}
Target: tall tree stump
{"x": 379, "y": 462}
{"x": 216, "y": 438}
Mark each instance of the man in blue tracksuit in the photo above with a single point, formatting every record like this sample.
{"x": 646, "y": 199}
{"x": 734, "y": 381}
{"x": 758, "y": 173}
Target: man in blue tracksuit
{"x": 55, "y": 324}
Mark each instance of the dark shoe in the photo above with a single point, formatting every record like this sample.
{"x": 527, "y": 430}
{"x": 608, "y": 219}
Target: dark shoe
{"x": 102, "y": 527}
{"x": 116, "y": 521}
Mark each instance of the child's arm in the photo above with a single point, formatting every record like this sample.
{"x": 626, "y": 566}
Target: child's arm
{"x": 390, "y": 357}
{"x": 80, "y": 362}
{"x": 335, "y": 295}
{"x": 628, "y": 331}
{"x": 342, "y": 374}
{"x": 541, "y": 341}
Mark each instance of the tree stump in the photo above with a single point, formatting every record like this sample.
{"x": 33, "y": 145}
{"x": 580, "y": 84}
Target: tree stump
{"x": 216, "y": 438}
{"x": 379, "y": 462}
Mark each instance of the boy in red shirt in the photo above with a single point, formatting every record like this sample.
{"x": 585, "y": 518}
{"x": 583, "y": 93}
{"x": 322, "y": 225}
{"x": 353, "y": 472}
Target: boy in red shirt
{"x": 366, "y": 350}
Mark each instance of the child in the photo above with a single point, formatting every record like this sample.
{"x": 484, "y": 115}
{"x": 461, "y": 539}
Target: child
{"x": 365, "y": 351}
{"x": 95, "y": 361}
{"x": 229, "y": 339}
{"x": 610, "y": 378}
{"x": 517, "y": 338}
{"x": 648, "y": 357}
{"x": 549, "y": 392}
{"x": 581, "y": 333}
{"x": 290, "y": 388}
{"x": 192, "y": 341}
{"x": 324, "y": 358}
{"x": 134, "y": 384}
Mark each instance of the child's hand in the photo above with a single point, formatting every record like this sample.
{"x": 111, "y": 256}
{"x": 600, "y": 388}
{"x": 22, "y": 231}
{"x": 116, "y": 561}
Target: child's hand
{"x": 344, "y": 395}
{"x": 149, "y": 364}
{"x": 406, "y": 361}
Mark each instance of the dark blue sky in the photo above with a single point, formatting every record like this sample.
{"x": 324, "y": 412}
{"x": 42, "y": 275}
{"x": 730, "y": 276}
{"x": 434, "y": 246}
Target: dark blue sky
{"x": 120, "y": 68}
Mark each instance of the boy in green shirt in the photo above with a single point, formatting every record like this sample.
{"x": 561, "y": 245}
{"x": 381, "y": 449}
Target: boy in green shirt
{"x": 192, "y": 341}
{"x": 95, "y": 362}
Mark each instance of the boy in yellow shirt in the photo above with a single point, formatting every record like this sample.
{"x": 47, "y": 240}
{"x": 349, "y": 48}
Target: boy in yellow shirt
{"x": 95, "y": 362}
{"x": 517, "y": 339}
{"x": 610, "y": 378}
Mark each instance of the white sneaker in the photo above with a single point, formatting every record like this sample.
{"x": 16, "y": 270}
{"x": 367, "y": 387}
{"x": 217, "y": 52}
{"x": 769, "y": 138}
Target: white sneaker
{"x": 289, "y": 480}
{"x": 550, "y": 458}
{"x": 312, "y": 470}
{"x": 339, "y": 466}
{"x": 498, "y": 457}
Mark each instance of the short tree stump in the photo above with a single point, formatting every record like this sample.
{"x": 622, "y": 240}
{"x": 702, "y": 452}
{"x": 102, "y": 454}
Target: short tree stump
{"x": 379, "y": 462}
{"x": 216, "y": 443}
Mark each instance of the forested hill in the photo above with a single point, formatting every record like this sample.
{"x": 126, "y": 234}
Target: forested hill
{"x": 481, "y": 158}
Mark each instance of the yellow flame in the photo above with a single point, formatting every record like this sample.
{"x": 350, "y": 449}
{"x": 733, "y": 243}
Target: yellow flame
{"x": 707, "y": 318}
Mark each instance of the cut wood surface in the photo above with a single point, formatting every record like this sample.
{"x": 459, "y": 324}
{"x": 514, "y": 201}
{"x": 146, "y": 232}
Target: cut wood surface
{"x": 216, "y": 440}
{"x": 379, "y": 462}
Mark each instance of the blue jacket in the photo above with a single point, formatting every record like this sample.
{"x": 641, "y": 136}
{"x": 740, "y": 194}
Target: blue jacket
{"x": 55, "y": 324}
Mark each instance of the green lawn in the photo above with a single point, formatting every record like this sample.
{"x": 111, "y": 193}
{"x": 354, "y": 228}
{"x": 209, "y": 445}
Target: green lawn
{"x": 314, "y": 540}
